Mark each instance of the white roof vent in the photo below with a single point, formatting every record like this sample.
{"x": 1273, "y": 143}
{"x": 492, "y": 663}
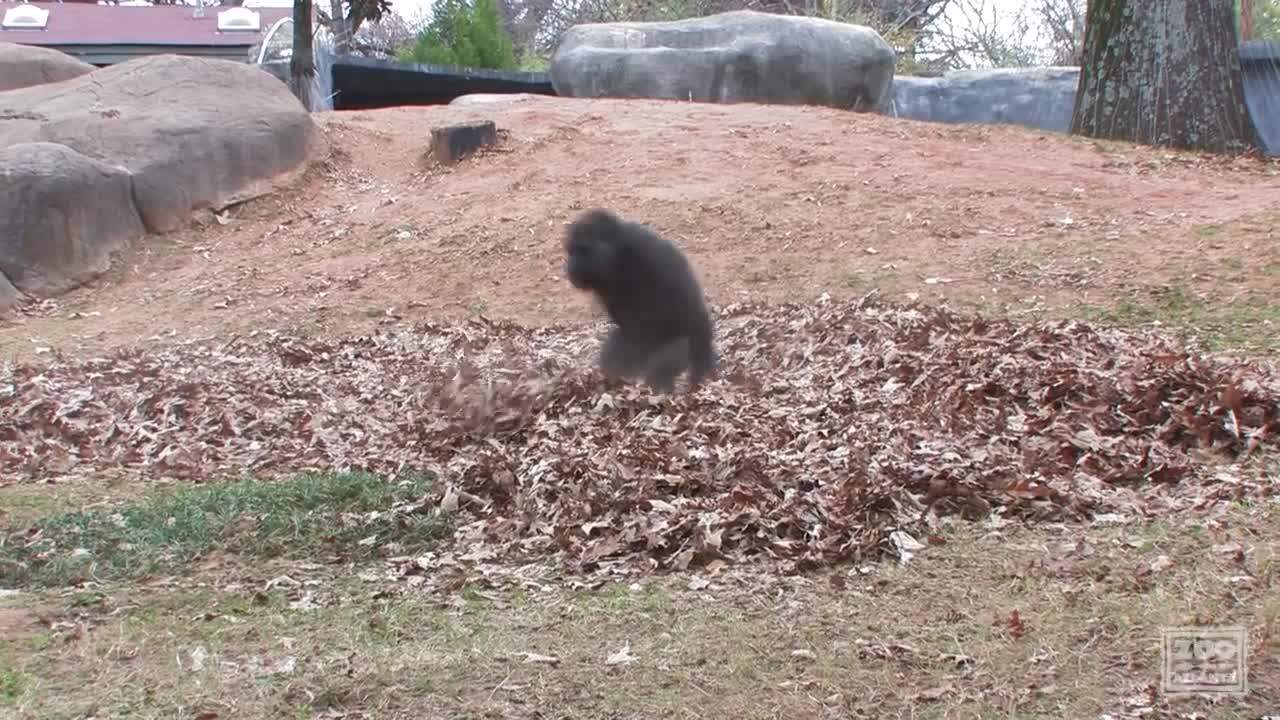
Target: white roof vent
{"x": 26, "y": 16}
{"x": 239, "y": 19}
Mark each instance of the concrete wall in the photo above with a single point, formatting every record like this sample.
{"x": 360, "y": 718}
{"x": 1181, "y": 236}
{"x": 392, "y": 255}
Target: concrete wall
{"x": 1044, "y": 98}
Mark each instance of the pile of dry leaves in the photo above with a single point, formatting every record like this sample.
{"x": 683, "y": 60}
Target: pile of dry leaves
{"x": 831, "y": 426}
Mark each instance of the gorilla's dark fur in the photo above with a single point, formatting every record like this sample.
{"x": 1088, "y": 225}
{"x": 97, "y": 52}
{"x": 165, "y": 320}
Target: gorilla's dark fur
{"x": 662, "y": 326}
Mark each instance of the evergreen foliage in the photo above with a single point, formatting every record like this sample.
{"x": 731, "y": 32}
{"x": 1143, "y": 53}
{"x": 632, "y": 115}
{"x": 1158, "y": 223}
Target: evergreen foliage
{"x": 464, "y": 33}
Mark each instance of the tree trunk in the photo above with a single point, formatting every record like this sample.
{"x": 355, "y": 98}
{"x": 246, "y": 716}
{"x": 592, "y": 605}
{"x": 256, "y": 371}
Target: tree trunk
{"x": 341, "y": 43}
{"x": 1163, "y": 73}
{"x": 302, "y": 66}
{"x": 1246, "y": 20}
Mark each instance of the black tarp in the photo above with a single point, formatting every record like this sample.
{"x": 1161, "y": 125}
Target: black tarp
{"x": 1260, "y": 67}
{"x": 364, "y": 83}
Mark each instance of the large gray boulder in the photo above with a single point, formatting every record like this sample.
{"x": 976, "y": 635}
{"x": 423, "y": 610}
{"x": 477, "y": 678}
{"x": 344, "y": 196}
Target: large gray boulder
{"x": 9, "y": 295}
{"x": 92, "y": 162}
{"x": 494, "y": 98}
{"x": 24, "y": 65}
{"x": 1040, "y": 98}
{"x": 62, "y": 215}
{"x": 192, "y": 132}
{"x": 741, "y": 56}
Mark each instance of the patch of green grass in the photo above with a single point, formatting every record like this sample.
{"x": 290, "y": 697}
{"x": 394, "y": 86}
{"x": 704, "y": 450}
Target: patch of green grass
{"x": 19, "y": 501}
{"x": 345, "y": 516}
{"x": 1229, "y": 326}
{"x": 617, "y": 598}
{"x": 39, "y": 642}
{"x": 423, "y": 684}
{"x": 871, "y": 643}
{"x": 12, "y": 685}
{"x": 20, "y": 506}
{"x": 655, "y": 599}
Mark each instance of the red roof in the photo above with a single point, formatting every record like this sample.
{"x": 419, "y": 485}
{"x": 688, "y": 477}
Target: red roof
{"x": 77, "y": 23}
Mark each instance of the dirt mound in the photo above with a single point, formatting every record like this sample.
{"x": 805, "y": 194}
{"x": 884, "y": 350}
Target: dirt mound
{"x": 772, "y": 203}
{"x": 833, "y": 426}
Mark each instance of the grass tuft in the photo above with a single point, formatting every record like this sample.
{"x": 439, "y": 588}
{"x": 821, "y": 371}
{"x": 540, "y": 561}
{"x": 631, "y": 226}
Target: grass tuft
{"x": 346, "y": 516}
{"x": 1230, "y": 326}
{"x": 12, "y": 685}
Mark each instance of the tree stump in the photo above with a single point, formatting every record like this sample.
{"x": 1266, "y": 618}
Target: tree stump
{"x": 454, "y": 142}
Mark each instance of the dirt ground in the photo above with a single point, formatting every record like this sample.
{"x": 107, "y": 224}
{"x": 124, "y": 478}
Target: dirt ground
{"x": 989, "y": 619}
{"x": 773, "y": 203}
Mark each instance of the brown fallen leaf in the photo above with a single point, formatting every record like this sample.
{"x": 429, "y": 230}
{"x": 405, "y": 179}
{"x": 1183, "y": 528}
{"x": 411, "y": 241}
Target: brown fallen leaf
{"x": 1016, "y": 626}
{"x": 958, "y": 660}
{"x": 1161, "y": 563}
{"x": 622, "y": 657}
{"x": 535, "y": 658}
{"x": 935, "y": 694}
